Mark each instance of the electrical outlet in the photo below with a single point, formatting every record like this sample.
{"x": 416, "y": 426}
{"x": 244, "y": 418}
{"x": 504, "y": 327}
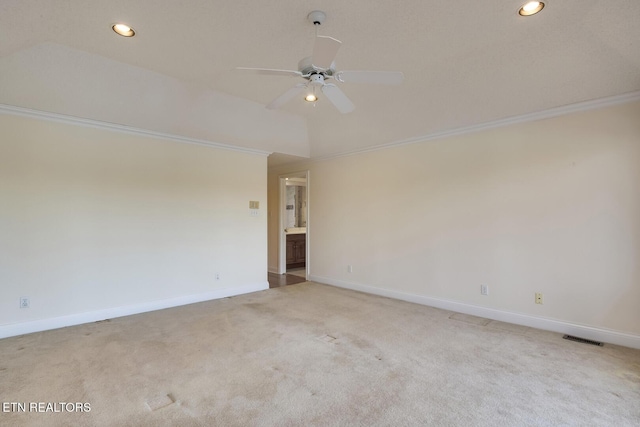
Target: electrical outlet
{"x": 484, "y": 290}
{"x": 24, "y": 302}
{"x": 350, "y": 268}
{"x": 538, "y": 298}
{"x": 217, "y": 276}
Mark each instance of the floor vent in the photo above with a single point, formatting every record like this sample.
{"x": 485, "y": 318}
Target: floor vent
{"x": 582, "y": 340}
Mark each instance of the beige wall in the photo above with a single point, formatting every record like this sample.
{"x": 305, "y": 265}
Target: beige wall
{"x": 93, "y": 220}
{"x": 551, "y": 206}
{"x": 273, "y": 226}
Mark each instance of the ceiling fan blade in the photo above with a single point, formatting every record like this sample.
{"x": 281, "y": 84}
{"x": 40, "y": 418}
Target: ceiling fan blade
{"x": 287, "y": 96}
{"x": 338, "y": 98}
{"x": 325, "y": 50}
{"x": 373, "y": 77}
{"x": 270, "y": 72}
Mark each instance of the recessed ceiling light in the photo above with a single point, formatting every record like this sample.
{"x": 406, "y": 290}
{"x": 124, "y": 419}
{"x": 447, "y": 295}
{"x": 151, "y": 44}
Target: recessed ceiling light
{"x": 123, "y": 30}
{"x": 531, "y": 8}
{"x": 311, "y": 98}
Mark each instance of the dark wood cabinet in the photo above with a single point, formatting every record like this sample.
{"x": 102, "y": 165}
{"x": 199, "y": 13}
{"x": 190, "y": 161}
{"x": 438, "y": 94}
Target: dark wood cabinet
{"x": 291, "y": 251}
{"x": 296, "y": 250}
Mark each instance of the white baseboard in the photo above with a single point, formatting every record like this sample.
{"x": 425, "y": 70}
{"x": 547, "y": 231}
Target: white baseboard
{"x": 582, "y": 331}
{"x": 22, "y": 328}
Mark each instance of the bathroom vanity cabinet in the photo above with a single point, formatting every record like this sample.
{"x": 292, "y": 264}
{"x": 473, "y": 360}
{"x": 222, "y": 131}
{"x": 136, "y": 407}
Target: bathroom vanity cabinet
{"x": 296, "y": 250}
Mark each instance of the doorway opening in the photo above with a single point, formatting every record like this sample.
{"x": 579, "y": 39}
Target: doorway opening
{"x": 294, "y": 224}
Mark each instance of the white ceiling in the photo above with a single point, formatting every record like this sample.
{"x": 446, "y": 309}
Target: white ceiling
{"x": 465, "y": 63}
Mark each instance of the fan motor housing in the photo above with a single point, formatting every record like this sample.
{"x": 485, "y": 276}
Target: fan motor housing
{"x": 307, "y": 69}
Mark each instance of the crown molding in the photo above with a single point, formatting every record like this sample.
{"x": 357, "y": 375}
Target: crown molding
{"x": 96, "y": 124}
{"x": 524, "y": 118}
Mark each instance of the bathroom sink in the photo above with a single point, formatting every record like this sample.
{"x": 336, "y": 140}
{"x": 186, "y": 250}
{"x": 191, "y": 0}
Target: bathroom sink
{"x": 296, "y": 230}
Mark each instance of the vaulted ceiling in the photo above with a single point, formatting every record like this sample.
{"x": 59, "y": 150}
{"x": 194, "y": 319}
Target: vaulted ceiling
{"x": 465, "y": 63}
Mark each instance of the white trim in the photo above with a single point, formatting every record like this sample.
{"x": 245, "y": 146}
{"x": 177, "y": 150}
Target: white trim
{"x": 282, "y": 237}
{"x": 582, "y": 331}
{"x": 307, "y": 259}
{"x": 22, "y": 328}
{"x": 524, "y": 118}
{"x": 96, "y": 124}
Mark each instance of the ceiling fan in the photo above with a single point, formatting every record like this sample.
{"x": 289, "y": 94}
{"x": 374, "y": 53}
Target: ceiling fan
{"x": 319, "y": 69}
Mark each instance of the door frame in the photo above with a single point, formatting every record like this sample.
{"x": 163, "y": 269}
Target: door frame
{"x": 282, "y": 241}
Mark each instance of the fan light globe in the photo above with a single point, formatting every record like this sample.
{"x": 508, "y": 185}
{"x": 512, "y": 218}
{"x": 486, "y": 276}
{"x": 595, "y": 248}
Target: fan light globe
{"x": 311, "y": 98}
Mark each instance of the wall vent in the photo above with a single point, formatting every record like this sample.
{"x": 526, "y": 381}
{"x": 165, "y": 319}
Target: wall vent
{"x": 582, "y": 340}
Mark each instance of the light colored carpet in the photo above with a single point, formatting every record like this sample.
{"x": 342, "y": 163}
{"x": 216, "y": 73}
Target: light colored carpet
{"x": 311, "y": 354}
